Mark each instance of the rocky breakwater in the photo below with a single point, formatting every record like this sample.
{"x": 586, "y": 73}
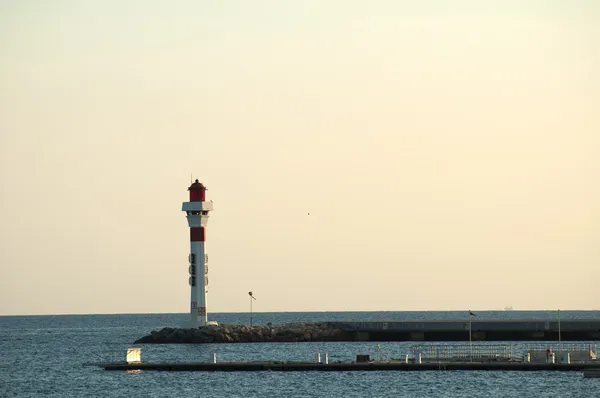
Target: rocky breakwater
{"x": 291, "y": 332}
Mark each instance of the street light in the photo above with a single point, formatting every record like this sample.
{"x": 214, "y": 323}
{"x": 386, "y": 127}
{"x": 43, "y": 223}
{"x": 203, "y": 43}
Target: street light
{"x": 559, "y": 336}
{"x": 471, "y": 314}
{"x": 251, "y": 298}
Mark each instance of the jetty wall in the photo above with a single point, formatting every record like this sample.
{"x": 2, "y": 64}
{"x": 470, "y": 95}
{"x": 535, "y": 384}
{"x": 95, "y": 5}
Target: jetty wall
{"x": 350, "y": 366}
{"x": 525, "y": 330}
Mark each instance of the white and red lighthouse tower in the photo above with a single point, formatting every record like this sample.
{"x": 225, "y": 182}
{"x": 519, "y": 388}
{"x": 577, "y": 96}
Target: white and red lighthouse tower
{"x": 197, "y": 210}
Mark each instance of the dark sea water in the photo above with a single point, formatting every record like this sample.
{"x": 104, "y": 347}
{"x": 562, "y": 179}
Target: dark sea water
{"x": 45, "y": 356}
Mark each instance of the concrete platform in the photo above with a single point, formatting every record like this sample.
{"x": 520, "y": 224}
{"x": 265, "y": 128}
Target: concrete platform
{"x": 350, "y": 366}
{"x": 484, "y": 330}
{"x": 458, "y": 330}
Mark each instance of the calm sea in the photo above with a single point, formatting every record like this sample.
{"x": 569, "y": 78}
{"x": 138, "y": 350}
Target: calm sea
{"x": 46, "y": 356}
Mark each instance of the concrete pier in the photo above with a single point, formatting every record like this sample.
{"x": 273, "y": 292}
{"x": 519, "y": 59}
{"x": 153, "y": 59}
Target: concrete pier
{"x": 485, "y": 330}
{"x": 348, "y": 366}
{"x": 495, "y": 330}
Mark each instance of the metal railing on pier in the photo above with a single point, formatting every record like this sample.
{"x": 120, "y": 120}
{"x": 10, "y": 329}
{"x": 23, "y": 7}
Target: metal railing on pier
{"x": 578, "y": 352}
{"x": 463, "y": 352}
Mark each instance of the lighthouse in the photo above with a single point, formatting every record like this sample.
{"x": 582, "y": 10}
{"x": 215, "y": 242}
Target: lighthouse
{"x": 197, "y": 212}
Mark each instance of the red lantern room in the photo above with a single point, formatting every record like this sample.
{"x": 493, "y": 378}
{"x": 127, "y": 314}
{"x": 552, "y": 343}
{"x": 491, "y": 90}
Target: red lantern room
{"x": 197, "y": 192}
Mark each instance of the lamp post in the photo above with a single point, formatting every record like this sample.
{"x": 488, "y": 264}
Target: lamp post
{"x": 251, "y": 298}
{"x": 470, "y": 339}
{"x": 559, "y": 336}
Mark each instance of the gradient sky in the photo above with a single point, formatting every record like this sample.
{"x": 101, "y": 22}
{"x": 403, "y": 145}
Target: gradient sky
{"x": 448, "y": 153}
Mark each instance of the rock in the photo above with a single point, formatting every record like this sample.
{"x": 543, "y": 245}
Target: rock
{"x": 243, "y": 333}
{"x": 206, "y": 331}
{"x": 170, "y": 339}
{"x": 145, "y": 340}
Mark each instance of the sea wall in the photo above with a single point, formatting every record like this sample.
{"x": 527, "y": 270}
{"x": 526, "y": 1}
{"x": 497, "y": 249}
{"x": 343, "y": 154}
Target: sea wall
{"x": 291, "y": 332}
{"x": 485, "y": 330}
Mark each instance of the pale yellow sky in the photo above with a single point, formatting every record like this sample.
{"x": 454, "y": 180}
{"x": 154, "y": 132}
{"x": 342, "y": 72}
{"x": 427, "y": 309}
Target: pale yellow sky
{"x": 447, "y": 152}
